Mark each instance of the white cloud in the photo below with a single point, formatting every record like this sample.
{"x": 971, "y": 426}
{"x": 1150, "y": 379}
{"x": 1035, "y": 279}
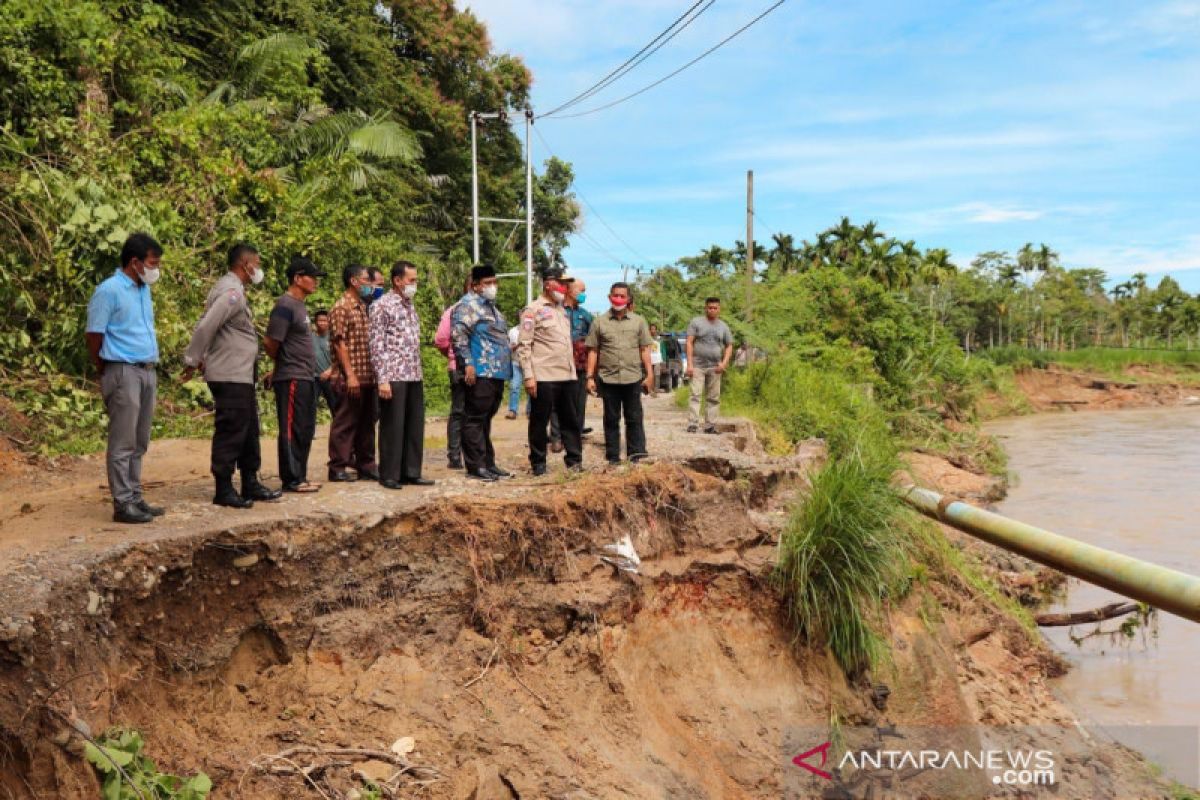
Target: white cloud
{"x": 1182, "y": 255}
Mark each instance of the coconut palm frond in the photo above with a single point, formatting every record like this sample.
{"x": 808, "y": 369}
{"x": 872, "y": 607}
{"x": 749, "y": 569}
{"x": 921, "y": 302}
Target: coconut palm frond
{"x": 221, "y": 92}
{"x": 384, "y": 139}
{"x": 327, "y": 134}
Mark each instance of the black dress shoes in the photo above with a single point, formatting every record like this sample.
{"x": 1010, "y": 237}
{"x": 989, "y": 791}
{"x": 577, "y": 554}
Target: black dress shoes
{"x": 389, "y": 484}
{"x": 499, "y": 472}
{"x": 539, "y": 469}
{"x": 232, "y": 499}
{"x": 418, "y": 481}
{"x": 154, "y": 511}
{"x": 131, "y": 514}
{"x": 341, "y": 477}
{"x": 485, "y": 475}
{"x": 368, "y": 475}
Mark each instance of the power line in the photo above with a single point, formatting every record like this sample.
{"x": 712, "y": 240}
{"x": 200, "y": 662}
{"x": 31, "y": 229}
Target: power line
{"x": 629, "y": 63}
{"x": 666, "y": 78}
{"x": 770, "y": 230}
{"x": 591, "y": 207}
{"x": 600, "y": 248}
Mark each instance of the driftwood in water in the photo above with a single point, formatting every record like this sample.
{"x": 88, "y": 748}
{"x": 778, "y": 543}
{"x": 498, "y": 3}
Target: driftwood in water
{"x": 1109, "y": 611}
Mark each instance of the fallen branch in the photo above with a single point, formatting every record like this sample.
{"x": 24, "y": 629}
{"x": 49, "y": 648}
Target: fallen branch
{"x": 1110, "y": 611}
{"x": 99, "y": 748}
{"x": 485, "y": 668}
{"x": 358, "y": 753}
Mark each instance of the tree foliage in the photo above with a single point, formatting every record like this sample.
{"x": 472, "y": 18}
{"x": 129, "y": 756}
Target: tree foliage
{"x": 336, "y": 130}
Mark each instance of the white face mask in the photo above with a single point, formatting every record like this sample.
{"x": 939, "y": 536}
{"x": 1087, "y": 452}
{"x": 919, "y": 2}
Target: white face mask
{"x": 150, "y": 275}
{"x": 410, "y": 291}
{"x": 256, "y": 277}
{"x": 489, "y": 292}
{"x": 558, "y": 297}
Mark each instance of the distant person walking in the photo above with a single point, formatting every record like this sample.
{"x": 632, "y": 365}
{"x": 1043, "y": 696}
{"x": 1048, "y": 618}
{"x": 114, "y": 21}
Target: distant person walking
{"x": 289, "y": 343}
{"x": 481, "y": 350}
{"x": 548, "y": 363}
{"x": 352, "y": 434}
{"x": 123, "y": 347}
{"x": 618, "y": 368}
{"x": 324, "y": 375}
{"x": 458, "y": 389}
{"x": 395, "y": 339}
{"x": 709, "y": 348}
{"x": 224, "y": 347}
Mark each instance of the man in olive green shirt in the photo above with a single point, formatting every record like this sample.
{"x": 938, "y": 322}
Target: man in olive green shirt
{"x": 618, "y": 368}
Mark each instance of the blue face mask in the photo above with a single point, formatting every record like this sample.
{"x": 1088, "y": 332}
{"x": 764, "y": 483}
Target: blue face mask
{"x": 581, "y": 297}
{"x": 366, "y": 291}
{"x": 378, "y": 293}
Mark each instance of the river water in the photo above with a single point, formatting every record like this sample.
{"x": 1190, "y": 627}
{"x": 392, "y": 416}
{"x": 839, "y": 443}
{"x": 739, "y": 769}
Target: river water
{"x": 1126, "y": 481}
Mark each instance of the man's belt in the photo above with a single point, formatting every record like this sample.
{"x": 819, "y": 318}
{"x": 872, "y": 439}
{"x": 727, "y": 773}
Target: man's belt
{"x": 141, "y": 364}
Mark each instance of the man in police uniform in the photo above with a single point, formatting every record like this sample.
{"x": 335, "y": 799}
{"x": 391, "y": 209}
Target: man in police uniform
{"x": 225, "y": 347}
{"x": 546, "y": 355}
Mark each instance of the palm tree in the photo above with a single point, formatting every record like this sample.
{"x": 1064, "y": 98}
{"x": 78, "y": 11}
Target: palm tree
{"x": 784, "y": 257}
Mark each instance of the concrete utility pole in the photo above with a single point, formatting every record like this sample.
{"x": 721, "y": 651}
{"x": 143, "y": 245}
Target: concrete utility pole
{"x": 528, "y": 209}
{"x": 474, "y": 115}
{"x": 749, "y": 240}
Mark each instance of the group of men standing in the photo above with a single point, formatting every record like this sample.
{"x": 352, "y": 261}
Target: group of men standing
{"x": 365, "y": 360}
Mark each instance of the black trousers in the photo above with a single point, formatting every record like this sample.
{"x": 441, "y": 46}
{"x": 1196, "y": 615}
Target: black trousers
{"x": 482, "y": 403}
{"x": 296, "y": 405}
{"x": 623, "y": 399}
{"x": 402, "y": 432}
{"x": 580, "y": 408}
{"x": 555, "y": 397}
{"x": 454, "y": 423}
{"x": 235, "y": 430}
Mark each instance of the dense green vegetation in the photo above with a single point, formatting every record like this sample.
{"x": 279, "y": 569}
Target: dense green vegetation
{"x": 332, "y": 129}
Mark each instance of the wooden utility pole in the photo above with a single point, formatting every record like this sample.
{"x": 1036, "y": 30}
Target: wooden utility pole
{"x": 749, "y": 240}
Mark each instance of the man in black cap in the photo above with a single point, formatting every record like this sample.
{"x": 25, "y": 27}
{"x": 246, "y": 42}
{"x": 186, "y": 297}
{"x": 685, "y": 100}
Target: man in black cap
{"x": 479, "y": 336}
{"x": 289, "y": 342}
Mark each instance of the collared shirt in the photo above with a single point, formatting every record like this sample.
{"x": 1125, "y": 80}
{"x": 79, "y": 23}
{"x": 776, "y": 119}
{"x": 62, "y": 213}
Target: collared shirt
{"x": 479, "y": 336}
{"x": 122, "y": 310}
{"x": 350, "y": 325}
{"x": 395, "y": 339}
{"x": 321, "y": 350}
{"x": 581, "y": 324}
{"x": 225, "y": 340}
{"x": 618, "y": 342}
{"x": 441, "y": 339}
{"x": 544, "y": 345}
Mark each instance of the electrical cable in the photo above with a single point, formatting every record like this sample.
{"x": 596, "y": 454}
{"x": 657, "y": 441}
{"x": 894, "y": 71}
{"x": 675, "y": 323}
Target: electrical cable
{"x": 666, "y": 78}
{"x": 628, "y": 64}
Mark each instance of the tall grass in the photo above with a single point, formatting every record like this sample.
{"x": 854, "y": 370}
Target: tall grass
{"x": 843, "y": 552}
{"x": 1109, "y": 360}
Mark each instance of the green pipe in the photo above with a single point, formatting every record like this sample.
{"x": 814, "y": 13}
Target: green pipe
{"x": 1160, "y": 587}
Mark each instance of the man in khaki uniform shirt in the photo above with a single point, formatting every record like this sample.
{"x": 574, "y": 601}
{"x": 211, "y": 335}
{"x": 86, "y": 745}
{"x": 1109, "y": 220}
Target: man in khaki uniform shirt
{"x": 547, "y": 361}
{"x": 618, "y": 367}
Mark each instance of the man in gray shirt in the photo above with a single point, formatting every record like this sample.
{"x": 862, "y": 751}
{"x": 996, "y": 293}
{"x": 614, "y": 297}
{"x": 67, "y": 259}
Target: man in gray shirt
{"x": 225, "y": 347}
{"x": 709, "y": 348}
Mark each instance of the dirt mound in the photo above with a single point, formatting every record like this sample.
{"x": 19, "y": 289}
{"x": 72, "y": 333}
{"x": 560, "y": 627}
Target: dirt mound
{"x": 1058, "y": 389}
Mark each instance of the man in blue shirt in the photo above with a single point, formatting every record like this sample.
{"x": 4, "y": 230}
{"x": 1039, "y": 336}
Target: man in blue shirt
{"x": 124, "y": 350}
{"x": 479, "y": 336}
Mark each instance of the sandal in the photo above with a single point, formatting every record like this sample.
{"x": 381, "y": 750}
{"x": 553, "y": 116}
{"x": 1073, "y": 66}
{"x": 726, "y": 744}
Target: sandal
{"x": 303, "y": 488}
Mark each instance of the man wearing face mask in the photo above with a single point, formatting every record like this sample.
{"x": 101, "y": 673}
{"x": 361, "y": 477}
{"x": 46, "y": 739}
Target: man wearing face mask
{"x": 378, "y": 284}
{"x": 395, "y": 339}
{"x": 479, "y": 336}
{"x": 225, "y": 347}
{"x": 619, "y": 369}
{"x": 124, "y": 350}
{"x": 352, "y": 434}
{"x": 548, "y": 362}
{"x": 581, "y": 323}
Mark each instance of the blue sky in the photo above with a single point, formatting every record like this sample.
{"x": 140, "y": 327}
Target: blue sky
{"x": 971, "y": 125}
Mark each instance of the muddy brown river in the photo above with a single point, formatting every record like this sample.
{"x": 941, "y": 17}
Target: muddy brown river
{"x": 1127, "y": 481}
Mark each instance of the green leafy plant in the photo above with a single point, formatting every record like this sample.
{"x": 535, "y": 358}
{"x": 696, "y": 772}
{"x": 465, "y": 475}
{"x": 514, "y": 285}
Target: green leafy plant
{"x": 126, "y": 774}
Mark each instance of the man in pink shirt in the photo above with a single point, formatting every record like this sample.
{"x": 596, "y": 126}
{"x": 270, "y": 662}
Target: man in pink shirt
{"x": 458, "y": 389}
